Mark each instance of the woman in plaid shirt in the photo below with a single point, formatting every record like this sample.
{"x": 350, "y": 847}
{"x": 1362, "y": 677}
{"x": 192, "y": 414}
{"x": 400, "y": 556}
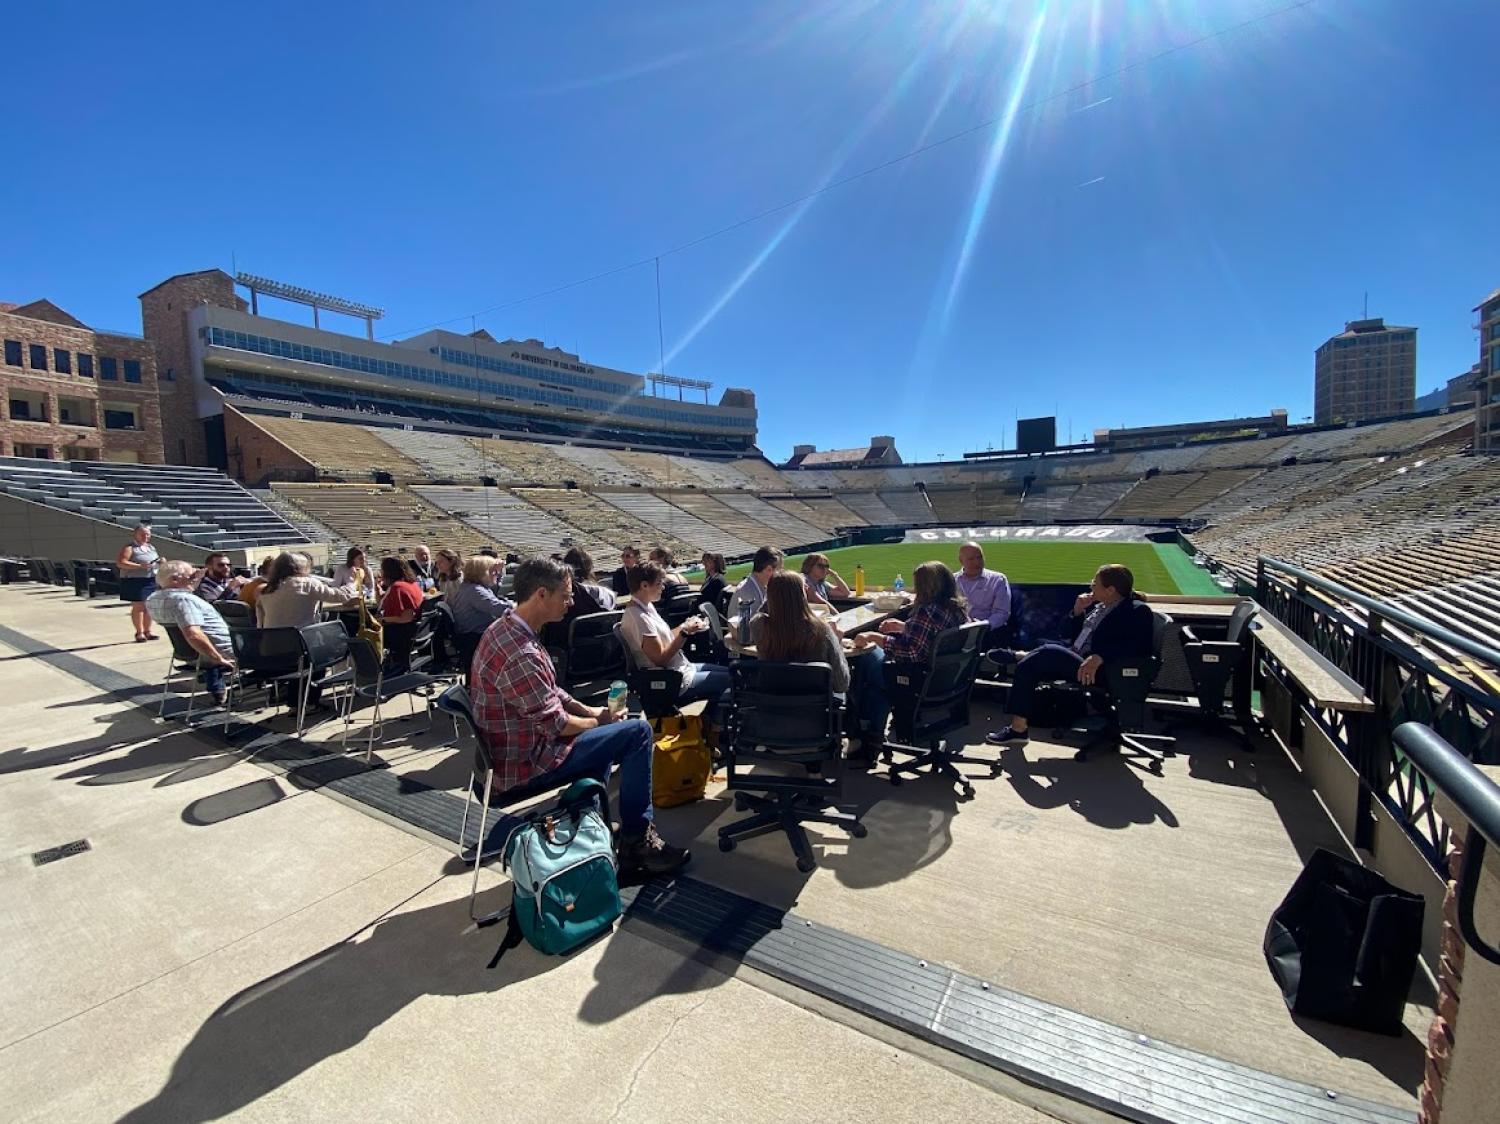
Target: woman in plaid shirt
{"x": 939, "y": 607}
{"x": 531, "y": 726}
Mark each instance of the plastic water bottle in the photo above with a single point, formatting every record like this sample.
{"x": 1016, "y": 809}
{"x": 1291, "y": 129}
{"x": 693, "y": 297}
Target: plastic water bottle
{"x": 859, "y": 580}
{"x": 618, "y": 697}
{"x": 899, "y": 585}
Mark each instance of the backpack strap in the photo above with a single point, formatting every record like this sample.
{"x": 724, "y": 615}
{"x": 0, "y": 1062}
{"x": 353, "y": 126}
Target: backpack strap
{"x": 512, "y": 935}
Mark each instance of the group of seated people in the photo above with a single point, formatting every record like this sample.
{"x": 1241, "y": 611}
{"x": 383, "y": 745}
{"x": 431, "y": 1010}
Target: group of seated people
{"x": 533, "y": 727}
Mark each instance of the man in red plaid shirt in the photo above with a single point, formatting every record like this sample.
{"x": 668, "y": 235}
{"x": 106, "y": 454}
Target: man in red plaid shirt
{"x": 531, "y": 726}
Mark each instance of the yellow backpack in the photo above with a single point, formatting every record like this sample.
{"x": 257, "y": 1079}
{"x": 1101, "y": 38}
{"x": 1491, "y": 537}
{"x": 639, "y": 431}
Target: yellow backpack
{"x": 682, "y": 763}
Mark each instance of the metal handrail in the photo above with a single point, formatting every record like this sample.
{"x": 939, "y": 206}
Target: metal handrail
{"x": 1477, "y": 797}
{"x": 1389, "y": 612}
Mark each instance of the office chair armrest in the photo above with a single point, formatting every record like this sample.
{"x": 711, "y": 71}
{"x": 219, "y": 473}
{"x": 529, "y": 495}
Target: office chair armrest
{"x": 1188, "y": 635}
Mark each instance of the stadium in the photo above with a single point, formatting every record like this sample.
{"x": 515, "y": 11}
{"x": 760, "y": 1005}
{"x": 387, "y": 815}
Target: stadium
{"x": 1348, "y": 574}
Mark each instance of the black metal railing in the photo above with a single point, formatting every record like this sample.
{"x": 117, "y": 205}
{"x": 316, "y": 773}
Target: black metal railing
{"x": 1413, "y": 669}
{"x": 1477, "y": 797}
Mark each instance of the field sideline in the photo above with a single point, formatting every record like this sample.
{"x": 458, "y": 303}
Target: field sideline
{"x": 1027, "y": 563}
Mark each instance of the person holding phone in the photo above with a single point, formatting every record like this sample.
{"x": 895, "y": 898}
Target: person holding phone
{"x": 1109, "y": 622}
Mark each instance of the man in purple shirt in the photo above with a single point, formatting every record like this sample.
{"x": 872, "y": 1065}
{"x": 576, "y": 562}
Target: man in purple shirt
{"x": 987, "y": 592}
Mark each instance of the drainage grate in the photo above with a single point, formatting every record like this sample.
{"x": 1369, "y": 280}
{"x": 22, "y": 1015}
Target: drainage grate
{"x": 66, "y": 851}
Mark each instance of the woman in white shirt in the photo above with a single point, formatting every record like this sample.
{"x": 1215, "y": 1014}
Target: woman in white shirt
{"x": 658, "y": 644}
{"x": 356, "y": 572}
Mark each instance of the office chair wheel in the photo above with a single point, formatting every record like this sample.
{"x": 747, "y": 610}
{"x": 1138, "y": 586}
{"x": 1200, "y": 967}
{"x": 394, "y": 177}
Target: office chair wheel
{"x": 859, "y": 830}
{"x": 895, "y": 780}
{"x": 968, "y": 791}
{"x": 806, "y": 866}
{"x": 740, "y": 803}
{"x": 726, "y": 845}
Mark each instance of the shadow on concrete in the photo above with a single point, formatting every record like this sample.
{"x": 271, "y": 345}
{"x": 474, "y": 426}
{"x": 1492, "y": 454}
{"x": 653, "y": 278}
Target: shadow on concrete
{"x": 1105, "y": 790}
{"x": 1401, "y": 1058}
{"x": 70, "y": 651}
{"x": 277, "y": 1029}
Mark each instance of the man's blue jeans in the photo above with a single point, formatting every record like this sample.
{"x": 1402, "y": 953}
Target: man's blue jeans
{"x": 213, "y": 678}
{"x": 628, "y": 745}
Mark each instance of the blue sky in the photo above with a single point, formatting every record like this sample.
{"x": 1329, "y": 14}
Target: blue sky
{"x": 1167, "y": 244}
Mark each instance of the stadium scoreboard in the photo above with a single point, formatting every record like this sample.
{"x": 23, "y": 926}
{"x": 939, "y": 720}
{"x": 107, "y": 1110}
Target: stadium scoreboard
{"x": 1036, "y": 435}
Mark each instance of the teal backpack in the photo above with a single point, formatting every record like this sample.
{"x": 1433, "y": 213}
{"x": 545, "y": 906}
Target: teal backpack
{"x": 562, "y": 867}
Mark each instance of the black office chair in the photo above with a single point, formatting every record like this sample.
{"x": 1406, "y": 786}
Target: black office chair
{"x": 1215, "y": 666}
{"x": 932, "y": 699}
{"x": 324, "y": 647}
{"x": 678, "y": 606}
{"x": 236, "y": 613}
{"x": 1122, "y": 697}
{"x": 371, "y": 682}
{"x": 656, "y": 688}
{"x": 267, "y": 659}
{"x": 784, "y": 714}
{"x": 591, "y": 652}
{"x": 454, "y": 702}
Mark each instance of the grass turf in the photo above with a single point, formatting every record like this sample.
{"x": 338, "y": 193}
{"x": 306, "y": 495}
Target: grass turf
{"x": 1025, "y": 563}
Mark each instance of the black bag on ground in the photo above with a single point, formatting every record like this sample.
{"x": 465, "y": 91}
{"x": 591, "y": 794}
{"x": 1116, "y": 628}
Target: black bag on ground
{"x": 1054, "y": 707}
{"x": 1343, "y": 944}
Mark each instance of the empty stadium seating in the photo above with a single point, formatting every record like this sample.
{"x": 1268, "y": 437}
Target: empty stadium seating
{"x": 910, "y": 506}
{"x": 604, "y": 522}
{"x": 601, "y": 465}
{"x": 787, "y": 529}
{"x": 384, "y": 519}
{"x": 443, "y": 456}
{"x": 832, "y": 512}
{"x": 731, "y": 519}
{"x": 871, "y": 508}
{"x": 669, "y": 520}
{"x": 504, "y": 517}
{"x": 195, "y": 505}
{"x": 347, "y": 452}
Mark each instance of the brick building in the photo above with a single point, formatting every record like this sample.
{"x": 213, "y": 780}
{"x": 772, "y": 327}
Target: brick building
{"x": 72, "y": 393}
{"x": 164, "y": 320}
{"x": 1369, "y": 370}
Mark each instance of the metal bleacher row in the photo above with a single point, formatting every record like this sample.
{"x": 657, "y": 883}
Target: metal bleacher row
{"x": 195, "y": 505}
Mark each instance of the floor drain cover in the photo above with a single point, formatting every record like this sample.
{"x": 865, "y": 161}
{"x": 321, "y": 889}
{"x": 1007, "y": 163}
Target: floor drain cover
{"x": 66, "y": 851}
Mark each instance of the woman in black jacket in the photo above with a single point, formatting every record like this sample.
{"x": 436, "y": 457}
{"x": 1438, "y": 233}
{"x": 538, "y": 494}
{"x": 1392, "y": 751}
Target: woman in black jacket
{"x": 1109, "y": 623}
{"x": 712, "y": 588}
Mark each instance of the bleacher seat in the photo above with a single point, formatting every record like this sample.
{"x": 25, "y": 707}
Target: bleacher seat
{"x": 668, "y": 520}
{"x": 504, "y": 517}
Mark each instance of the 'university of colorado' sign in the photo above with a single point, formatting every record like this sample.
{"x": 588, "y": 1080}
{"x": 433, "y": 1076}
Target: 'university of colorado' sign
{"x": 1023, "y": 534}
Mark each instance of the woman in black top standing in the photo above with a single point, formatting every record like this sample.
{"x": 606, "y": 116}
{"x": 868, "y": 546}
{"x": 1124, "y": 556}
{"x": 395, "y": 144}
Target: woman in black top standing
{"x": 712, "y": 589}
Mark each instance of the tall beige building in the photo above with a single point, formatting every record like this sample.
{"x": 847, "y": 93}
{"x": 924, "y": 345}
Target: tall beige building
{"x": 1487, "y": 386}
{"x": 1369, "y": 370}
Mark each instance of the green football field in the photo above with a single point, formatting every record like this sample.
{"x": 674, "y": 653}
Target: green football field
{"x": 1026, "y": 563}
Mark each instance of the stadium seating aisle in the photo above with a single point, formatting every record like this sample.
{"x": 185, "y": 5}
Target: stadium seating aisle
{"x": 384, "y": 519}
{"x": 347, "y": 452}
{"x": 604, "y": 523}
{"x": 504, "y": 517}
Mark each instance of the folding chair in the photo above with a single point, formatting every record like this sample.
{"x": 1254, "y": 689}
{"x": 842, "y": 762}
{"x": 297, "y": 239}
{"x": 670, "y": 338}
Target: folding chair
{"x": 371, "y": 682}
